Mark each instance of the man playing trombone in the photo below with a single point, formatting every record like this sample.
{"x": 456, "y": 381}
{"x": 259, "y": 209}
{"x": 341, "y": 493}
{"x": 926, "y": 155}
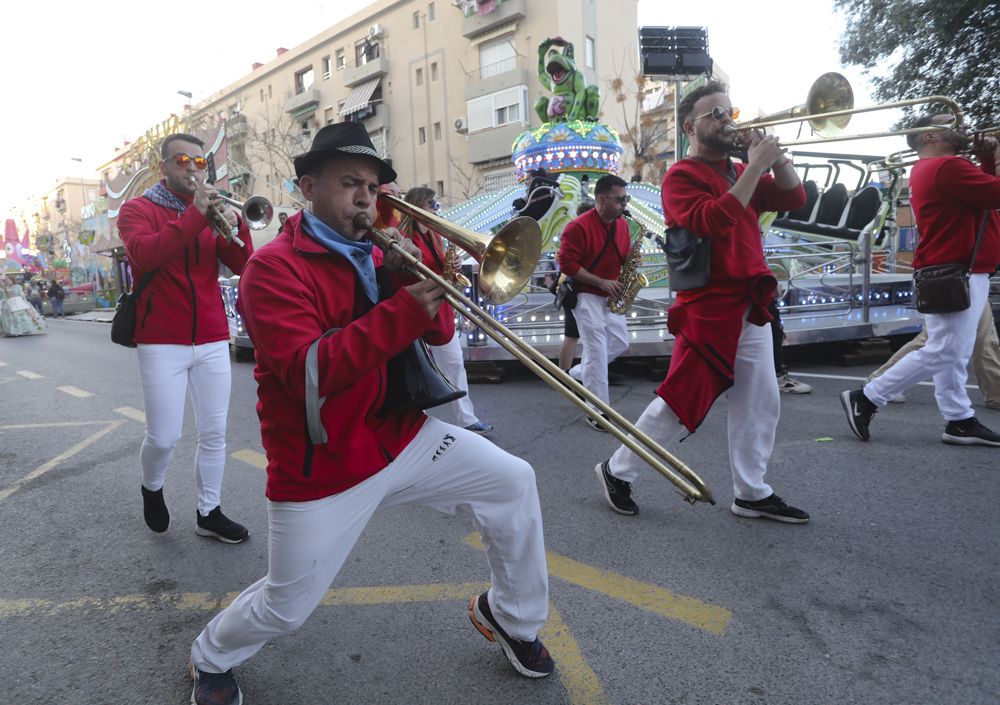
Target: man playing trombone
{"x": 954, "y": 204}
{"x": 721, "y": 341}
{"x": 181, "y": 329}
{"x": 323, "y": 337}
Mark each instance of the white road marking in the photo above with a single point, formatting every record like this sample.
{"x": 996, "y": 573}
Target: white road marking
{"x": 75, "y": 392}
{"x": 28, "y": 374}
{"x": 859, "y": 379}
{"x": 130, "y": 413}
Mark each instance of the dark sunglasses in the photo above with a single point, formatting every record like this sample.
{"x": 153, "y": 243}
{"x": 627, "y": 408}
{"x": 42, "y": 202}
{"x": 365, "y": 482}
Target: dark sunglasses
{"x": 621, "y": 200}
{"x": 720, "y": 113}
{"x": 183, "y": 161}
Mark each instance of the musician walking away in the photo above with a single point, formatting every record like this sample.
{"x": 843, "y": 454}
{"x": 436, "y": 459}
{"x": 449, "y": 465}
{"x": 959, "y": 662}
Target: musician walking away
{"x": 311, "y": 304}
{"x": 950, "y": 198}
{"x": 181, "y": 329}
{"x": 592, "y": 251}
{"x": 447, "y": 357}
{"x": 722, "y": 341}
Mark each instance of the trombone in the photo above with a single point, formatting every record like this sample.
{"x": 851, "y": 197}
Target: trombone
{"x": 507, "y": 261}
{"x": 829, "y": 107}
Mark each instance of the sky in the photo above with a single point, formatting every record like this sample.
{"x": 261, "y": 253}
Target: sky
{"x": 116, "y": 70}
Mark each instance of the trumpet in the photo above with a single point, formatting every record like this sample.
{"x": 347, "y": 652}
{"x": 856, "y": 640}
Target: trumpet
{"x": 508, "y": 261}
{"x": 256, "y": 211}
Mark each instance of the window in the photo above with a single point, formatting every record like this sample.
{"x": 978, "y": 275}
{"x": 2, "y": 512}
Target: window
{"x": 340, "y": 106}
{"x": 434, "y": 70}
{"x": 365, "y": 51}
{"x": 588, "y": 52}
{"x": 420, "y": 77}
{"x": 326, "y": 67}
{"x": 303, "y": 80}
{"x": 329, "y": 116}
{"x": 440, "y": 189}
{"x": 500, "y": 108}
{"x": 339, "y": 59}
{"x": 421, "y": 135}
{"x": 430, "y": 12}
{"x": 437, "y": 130}
{"x": 269, "y": 90}
{"x": 305, "y": 129}
{"x": 496, "y": 57}
{"x": 261, "y": 95}
{"x": 416, "y": 20}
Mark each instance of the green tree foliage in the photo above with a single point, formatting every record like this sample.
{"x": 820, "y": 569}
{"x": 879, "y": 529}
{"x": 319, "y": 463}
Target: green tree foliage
{"x": 913, "y": 48}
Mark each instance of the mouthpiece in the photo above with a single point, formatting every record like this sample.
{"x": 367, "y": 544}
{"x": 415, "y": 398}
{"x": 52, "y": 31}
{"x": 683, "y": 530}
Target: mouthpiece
{"x": 361, "y": 221}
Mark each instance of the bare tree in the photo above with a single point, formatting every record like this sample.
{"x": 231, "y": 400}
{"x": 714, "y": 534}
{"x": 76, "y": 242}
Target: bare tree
{"x": 647, "y": 133}
{"x": 470, "y": 181}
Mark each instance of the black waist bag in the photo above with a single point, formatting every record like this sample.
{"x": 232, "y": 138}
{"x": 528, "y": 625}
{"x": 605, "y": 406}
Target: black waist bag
{"x": 689, "y": 258}
{"x": 123, "y": 323}
{"x": 942, "y": 288}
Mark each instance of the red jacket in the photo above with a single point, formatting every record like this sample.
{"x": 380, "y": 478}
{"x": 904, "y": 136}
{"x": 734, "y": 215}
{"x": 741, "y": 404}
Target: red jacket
{"x": 292, "y": 291}
{"x": 433, "y": 255}
{"x": 182, "y": 304}
{"x": 949, "y": 196}
{"x": 697, "y": 197}
{"x": 583, "y": 238}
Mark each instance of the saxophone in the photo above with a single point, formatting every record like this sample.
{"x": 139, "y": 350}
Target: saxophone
{"x": 631, "y": 279}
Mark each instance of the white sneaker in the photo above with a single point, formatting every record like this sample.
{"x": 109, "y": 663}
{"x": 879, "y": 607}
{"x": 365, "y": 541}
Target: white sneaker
{"x": 792, "y": 386}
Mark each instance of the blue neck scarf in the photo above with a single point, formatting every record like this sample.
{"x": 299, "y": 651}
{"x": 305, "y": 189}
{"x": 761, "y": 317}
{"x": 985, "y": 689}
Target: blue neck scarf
{"x": 359, "y": 254}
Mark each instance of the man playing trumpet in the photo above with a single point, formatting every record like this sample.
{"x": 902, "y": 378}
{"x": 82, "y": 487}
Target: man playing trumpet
{"x": 181, "y": 329}
{"x": 722, "y": 343}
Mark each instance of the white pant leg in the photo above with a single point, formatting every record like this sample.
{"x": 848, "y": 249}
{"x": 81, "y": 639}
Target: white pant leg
{"x": 950, "y": 339}
{"x": 617, "y": 327}
{"x": 591, "y": 319}
{"x": 660, "y": 423}
{"x": 986, "y": 356}
{"x": 163, "y": 370}
{"x": 754, "y": 407}
{"x": 450, "y": 361}
{"x": 444, "y": 467}
{"x": 210, "y": 384}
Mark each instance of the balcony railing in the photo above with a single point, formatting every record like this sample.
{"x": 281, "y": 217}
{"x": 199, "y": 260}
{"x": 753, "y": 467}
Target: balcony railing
{"x": 500, "y": 67}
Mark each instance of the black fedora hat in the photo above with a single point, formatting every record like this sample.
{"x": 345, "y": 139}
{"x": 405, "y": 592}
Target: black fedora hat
{"x": 342, "y": 138}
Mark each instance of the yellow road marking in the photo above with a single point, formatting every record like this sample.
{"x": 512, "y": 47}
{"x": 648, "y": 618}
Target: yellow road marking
{"x": 646, "y": 596}
{"x": 577, "y": 676}
{"x": 130, "y": 413}
{"x": 75, "y": 391}
{"x": 45, "y": 467}
{"x": 28, "y": 374}
{"x": 251, "y": 457}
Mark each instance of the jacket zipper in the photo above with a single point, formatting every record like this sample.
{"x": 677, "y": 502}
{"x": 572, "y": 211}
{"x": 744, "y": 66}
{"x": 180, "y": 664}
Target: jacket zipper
{"x": 194, "y": 300}
{"x": 149, "y": 309}
{"x": 385, "y": 452}
{"x": 308, "y": 459}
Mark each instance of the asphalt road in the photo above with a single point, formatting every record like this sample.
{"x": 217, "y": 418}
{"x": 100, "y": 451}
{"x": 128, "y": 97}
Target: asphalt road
{"x": 889, "y": 595}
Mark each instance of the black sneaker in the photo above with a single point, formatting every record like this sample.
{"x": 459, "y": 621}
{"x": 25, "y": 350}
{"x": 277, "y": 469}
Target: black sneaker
{"x": 969, "y": 432}
{"x": 617, "y": 492}
{"x": 596, "y": 426}
{"x": 214, "y": 688}
{"x": 529, "y": 658}
{"x": 219, "y": 526}
{"x": 772, "y": 507}
{"x": 154, "y": 510}
{"x": 859, "y": 411}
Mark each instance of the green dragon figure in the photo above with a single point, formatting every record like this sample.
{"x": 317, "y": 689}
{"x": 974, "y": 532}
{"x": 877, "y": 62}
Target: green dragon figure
{"x": 571, "y": 98}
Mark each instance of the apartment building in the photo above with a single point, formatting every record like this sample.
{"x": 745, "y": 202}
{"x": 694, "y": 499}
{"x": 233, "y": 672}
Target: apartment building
{"x": 443, "y": 88}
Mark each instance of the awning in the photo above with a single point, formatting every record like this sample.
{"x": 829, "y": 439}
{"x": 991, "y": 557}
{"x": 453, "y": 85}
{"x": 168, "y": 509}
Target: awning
{"x": 494, "y": 33}
{"x": 360, "y": 95}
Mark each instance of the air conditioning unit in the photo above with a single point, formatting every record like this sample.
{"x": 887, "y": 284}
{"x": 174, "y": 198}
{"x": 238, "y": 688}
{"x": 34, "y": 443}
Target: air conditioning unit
{"x": 461, "y": 125}
{"x": 375, "y": 31}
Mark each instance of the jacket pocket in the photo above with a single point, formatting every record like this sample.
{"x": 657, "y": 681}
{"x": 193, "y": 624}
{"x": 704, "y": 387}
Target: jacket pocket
{"x": 149, "y": 309}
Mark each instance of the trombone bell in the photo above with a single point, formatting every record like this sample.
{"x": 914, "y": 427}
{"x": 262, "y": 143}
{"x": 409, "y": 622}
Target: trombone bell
{"x": 829, "y": 93}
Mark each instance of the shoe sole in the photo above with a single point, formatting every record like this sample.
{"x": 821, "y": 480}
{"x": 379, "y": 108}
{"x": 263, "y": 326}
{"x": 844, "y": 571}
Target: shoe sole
{"x": 754, "y": 514}
{"x": 479, "y": 621}
{"x": 967, "y": 441}
{"x": 219, "y": 537}
{"x": 607, "y": 495}
{"x": 845, "y": 401}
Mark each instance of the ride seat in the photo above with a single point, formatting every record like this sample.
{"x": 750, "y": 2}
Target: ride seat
{"x": 862, "y": 209}
{"x": 805, "y": 214}
{"x": 542, "y": 192}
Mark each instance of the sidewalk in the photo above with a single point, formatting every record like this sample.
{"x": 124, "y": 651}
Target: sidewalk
{"x": 101, "y": 315}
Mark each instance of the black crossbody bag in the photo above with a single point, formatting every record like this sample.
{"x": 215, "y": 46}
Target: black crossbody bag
{"x": 123, "y": 323}
{"x": 689, "y": 256}
{"x": 944, "y": 288}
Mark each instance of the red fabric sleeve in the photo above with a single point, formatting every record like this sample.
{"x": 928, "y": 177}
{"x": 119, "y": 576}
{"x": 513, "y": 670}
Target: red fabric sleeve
{"x": 571, "y": 249}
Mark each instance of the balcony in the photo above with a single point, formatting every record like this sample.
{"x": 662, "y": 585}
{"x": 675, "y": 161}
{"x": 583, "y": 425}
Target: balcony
{"x": 491, "y": 78}
{"x": 359, "y": 74}
{"x": 506, "y": 11}
{"x": 237, "y": 128}
{"x": 494, "y": 143}
{"x": 302, "y": 103}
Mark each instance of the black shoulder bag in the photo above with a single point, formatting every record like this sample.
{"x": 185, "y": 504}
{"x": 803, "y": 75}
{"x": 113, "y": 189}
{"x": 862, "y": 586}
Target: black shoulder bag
{"x": 944, "y": 288}
{"x": 689, "y": 256}
{"x": 123, "y": 324}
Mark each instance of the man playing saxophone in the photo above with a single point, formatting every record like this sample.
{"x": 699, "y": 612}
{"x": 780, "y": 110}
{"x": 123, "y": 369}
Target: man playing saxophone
{"x": 592, "y": 251}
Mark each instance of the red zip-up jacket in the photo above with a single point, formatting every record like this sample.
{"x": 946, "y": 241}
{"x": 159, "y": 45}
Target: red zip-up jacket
{"x": 292, "y": 291}
{"x": 949, "y": 196}
{"x": 582, "y": 239}
{"x": 696, "y": 196}
{"x": 427, "y": 253}
{"x": 182, "y": 304}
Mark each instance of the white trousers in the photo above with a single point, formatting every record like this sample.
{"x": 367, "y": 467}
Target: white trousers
{"x": 950, "y": 339}
{"x": 446, "y": 468}
{"x": 168, "y": 373}
{"x": 604, "y": 336}
{"x": 449, "y": 360}
{"x": 754, "y": 407}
